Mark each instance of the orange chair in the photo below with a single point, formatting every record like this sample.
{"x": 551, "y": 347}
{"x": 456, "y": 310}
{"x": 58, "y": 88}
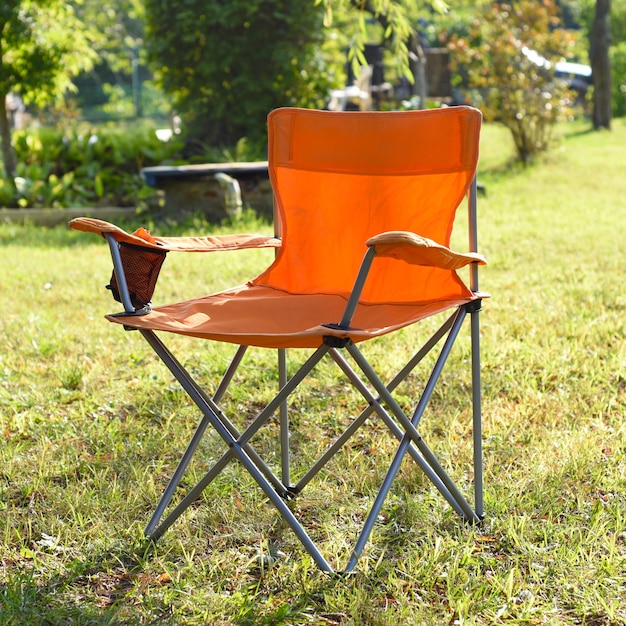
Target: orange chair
{"x": 366, "y": 203}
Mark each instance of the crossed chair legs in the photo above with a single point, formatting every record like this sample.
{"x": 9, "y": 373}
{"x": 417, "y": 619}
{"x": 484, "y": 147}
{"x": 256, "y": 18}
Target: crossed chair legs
{"x": 380, "y": 401}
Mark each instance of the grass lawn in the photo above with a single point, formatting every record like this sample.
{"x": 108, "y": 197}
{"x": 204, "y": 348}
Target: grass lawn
{"x": 92, "y": 426}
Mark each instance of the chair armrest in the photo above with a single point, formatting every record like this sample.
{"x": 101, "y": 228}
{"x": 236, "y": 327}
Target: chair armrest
{"x": 416, "y": 250}
{"x": 142, "y": 237}
{"x": 138, "y": 257}
{"x": 409, "y": 247}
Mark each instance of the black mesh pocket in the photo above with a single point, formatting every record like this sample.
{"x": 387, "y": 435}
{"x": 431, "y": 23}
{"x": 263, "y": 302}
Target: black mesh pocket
{"x": 141, "y": 268}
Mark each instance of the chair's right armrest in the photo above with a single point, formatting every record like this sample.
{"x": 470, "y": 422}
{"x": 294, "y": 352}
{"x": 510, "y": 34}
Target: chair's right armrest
{"x": 417, "y": 250}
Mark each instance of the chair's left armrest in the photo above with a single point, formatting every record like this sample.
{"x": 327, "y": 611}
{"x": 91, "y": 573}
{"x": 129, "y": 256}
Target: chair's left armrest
{"x": 417, "y": 250}
{"x": 137, "y": 257}
{"x": 142, "y": 237}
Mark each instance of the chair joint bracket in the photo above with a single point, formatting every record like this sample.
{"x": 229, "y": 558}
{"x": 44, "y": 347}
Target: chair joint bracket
{"x": 474, "y": 306}
{"x": 145, "y": 310}
{"x": 290, "y": 492}
{"x": 336, "y": 342}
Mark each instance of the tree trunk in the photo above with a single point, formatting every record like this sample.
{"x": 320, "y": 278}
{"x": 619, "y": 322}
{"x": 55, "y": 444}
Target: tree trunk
{"x": 601, "y": 65}
{"x": 8, "y": 156}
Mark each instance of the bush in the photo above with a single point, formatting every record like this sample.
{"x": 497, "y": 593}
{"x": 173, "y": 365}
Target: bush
{"x": 71, "y": 169}
{"x": 225, "y": 65}
{"x": 511, "y": 86}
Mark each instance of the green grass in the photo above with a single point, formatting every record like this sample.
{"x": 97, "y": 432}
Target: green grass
{"x": 92, "y": 426}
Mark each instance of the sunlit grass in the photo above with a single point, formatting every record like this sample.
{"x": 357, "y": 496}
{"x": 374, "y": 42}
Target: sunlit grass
{"x": 93, "y": 425}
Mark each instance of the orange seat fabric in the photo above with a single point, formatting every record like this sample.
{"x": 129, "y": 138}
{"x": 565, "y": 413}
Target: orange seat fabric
{"x": 339, "y": 180}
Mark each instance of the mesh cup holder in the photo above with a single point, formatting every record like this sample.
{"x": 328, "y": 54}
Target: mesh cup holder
{"x": 141, "y": 268}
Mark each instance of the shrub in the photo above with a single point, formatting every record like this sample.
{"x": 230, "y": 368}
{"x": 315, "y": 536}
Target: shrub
{"x": 95, "y": 168}
{"x": 225, "y": 65}
{"x": 510, "y": 84}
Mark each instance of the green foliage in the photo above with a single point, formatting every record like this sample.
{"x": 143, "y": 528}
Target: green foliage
{"x": 618, "y": 18}
{"x": 226, "y": 65}
{"x": 508, "y": 85}
{"x": 120, "y": 85}
{"x": 394, "y": 16}
{"x": 618, "y": 71}
{"x": 117, "y": 28}
{"x": 71, "y": 169}
{"x": 42, "y": 45}
{"x": 617, "y": 50}
{"x": 618, "y": 21}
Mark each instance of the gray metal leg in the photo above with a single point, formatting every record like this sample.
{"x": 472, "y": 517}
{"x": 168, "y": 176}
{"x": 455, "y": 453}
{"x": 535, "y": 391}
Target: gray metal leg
{"x": 193, "y": 444}
{"x": 240, "y": 449}
{"x": 400, "y": 376}
{"x": 284, "y": 420}
{"x": 411, "y": 435}
{"x": 477, "y": 417}
{"x": 376, "y": 405}
{"x": 237, "y": 446}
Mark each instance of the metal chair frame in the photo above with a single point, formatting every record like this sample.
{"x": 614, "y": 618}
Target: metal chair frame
{"x": 375, "y": 392}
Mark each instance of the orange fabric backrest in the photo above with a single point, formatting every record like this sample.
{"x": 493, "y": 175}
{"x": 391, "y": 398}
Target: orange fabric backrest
{"x": 340, "y": 178}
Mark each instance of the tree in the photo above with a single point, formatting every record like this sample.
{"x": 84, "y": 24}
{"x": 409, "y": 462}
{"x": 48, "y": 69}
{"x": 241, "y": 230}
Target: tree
{"x": 118, "y": 29}
{"x": 224, "y": 65}
{"x": 601, "y": 65}
{"x": 42, "y": 45}
{"x": 275, "y": 56}
{"x": 395, "y": 17}
{"x": 508, "y": 58}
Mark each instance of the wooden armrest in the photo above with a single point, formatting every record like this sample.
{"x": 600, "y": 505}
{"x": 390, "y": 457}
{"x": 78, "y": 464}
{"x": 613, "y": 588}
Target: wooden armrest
{"x": 416, "y": 250}
{"x": 141, "y": 237}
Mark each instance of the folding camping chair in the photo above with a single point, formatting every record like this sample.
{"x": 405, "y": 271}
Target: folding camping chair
{"x": 366, "y": 203}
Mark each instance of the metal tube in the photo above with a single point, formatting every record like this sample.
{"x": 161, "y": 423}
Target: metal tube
{"x": 230, "y": 372}
{"x": 237, "y": 446}
{"x": 358, "y": 288}
{"x": 477, "y": 416}
{"x": 473, "y": 232}
{"x": 177, "y": 476}
{"x": 284, "y": 419}
{"x": 475, "y": 335}
{"x": 118, "y": 268}
{"x": 398, "y": 433}
{"x": 397, "y": 379}
{"x": 155, "y": 532}
{"x": 411, "y": 434}
{"x": 276, "y": 500}
{"x": 210, "y": 409}
{"x": 217, "y": 420}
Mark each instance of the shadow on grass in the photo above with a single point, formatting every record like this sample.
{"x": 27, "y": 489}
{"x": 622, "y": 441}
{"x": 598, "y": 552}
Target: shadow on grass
{"x": 109, "y": 587}
{"x": 579, "y": 132}
{"x": 86, "y": 593}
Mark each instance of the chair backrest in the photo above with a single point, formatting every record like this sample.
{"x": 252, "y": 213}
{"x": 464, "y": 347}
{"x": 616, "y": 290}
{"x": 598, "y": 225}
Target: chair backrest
{"x": 342, "y": 177}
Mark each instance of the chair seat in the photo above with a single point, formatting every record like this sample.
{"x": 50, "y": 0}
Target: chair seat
{"x": 255, "y": 315}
